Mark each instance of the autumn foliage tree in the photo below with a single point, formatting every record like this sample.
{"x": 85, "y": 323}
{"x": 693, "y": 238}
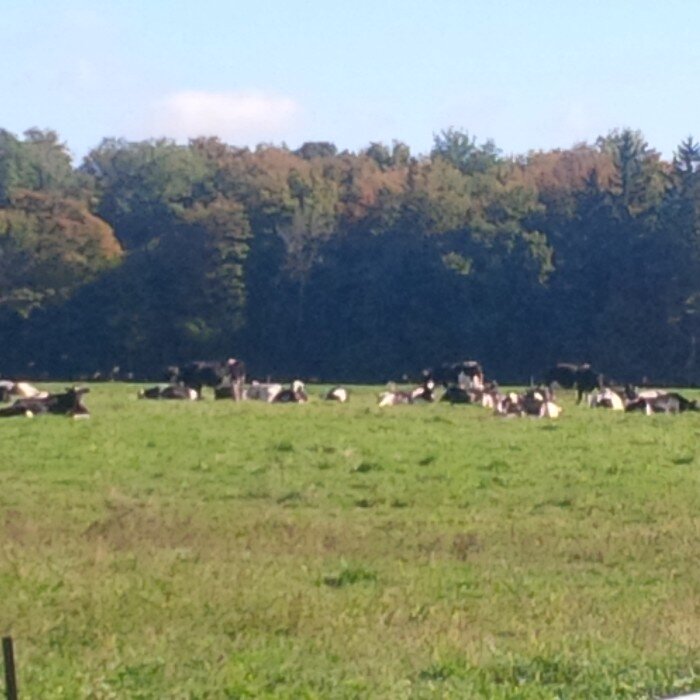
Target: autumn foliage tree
{"x": 365, "y": 266}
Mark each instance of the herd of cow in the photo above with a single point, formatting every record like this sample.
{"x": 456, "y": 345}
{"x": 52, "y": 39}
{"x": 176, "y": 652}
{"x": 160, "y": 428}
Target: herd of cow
{"x": 464, "y": 383}
{"x": 455, "y": 383}
{"x": 29, "y": 401}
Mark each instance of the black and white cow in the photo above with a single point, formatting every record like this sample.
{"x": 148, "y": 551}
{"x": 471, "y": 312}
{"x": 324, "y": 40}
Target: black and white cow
{"x": 569, "y": 376}
{"x": 258, "y": 391}
{"x": 212, "y": 373}
{"x": 657, "y": 401}
{"x": 537, "y": 402}
{"x": 67, "y": 403}
{"x": 607, "y": 398}
{"x": 296, "y": 393}
{"x": 467, "y": 374}
{"x": 22, "y": 390}
{"x": 488, "y": 396}
{"x": 171, "y": 391}
{"x": 337, "y": 393}
{"x": 673, "y": 402}
{"x": 394, "y": 397}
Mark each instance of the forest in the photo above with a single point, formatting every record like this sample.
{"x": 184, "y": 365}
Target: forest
{"x": 356, "y": 266}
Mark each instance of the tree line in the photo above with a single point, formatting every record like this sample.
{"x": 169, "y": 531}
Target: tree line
{"x": 345, "y": 265}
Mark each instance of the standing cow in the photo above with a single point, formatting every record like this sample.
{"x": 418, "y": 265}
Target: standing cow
{"x": 201, "y": 373}
{"x": 468, "y": 374}
{"x": 569, "y": 376}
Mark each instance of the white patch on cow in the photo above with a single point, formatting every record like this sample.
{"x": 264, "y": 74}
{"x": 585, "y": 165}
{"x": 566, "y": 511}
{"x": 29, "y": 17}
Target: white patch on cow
{"x": 29, "y": 414}
{"x": 262, "y": 392}
{"x": 616, "y": 402}
{"x": 606, "y": 398}
{"x": 192, "y": 394}
{"x": 387, "y": 398}
{"x": 27, "y": 391}
{"x": 338, "y": 394}
{"x": 551, "y": 409}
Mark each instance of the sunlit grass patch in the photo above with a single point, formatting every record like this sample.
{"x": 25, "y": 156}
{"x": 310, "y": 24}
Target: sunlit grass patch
{"x": 217, "y": 549}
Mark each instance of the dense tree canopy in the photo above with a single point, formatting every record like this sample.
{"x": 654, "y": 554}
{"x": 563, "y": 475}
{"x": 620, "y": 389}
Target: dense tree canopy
{"x": 361, "y": 266}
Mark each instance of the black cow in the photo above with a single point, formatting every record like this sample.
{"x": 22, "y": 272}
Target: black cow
{"x": 68, "y": 403}
{"x": 200, "y": 373}
{"x": 224, "y": 391}
{"x": 455, "y": 394}
{"x": 568, "y": 376}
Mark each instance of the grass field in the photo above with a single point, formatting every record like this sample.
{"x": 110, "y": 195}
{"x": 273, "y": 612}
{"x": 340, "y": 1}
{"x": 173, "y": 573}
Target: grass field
{"x": 223, "y": 550}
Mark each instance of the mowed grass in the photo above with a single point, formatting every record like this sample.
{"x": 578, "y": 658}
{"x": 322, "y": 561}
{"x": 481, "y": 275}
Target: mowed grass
{"x": 224, "y": 550}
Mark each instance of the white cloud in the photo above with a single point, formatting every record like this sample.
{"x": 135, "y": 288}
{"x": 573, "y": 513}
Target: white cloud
{"x": 235, "y": 117}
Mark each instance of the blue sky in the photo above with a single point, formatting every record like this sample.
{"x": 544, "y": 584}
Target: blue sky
{"x": 529, "y": 74}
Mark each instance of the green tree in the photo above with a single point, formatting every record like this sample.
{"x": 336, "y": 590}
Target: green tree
{"x": 144, "y": 187}
{"x": 640, "y": 181}
{"x": 459, "y": 148}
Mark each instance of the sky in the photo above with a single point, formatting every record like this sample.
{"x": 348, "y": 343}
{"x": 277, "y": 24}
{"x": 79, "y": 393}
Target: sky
{"x": 527, "y": 74}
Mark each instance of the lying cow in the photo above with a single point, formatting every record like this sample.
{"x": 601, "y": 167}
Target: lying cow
{"x": 424, "y": 392}
{"x": 656, "y": 401}
{"x": 68, "y": 403}
{"x": 337, "y": 393}
{"x": 488, "y": 396}
{"x": 262, "y": 392}
{"x": 22, "y": 390}
{"x": 296, "y": 393}
{"x": 607, "y": 398}
{"x": 536, "y": 402}
{"x": 455, "y": 394}
{"x": 172, "y": 391}
{"x": 394, "y": 398}
{"x": 225, "y": 391}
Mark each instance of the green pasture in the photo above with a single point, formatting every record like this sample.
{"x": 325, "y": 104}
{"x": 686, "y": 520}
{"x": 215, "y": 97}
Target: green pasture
{"x": 244, "y": 550}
